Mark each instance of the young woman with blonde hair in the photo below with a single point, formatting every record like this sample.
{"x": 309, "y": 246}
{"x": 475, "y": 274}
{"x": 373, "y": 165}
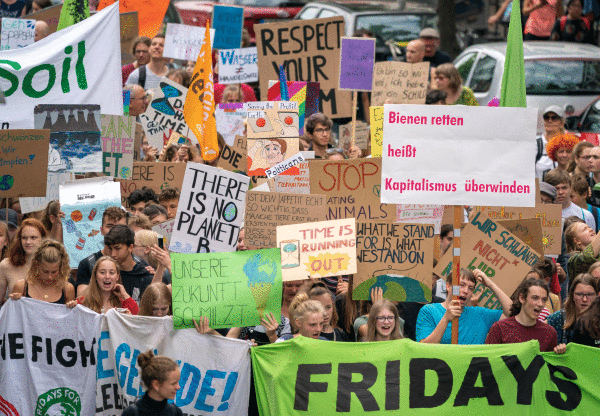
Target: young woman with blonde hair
{"x": 384, "y": 322}
{"x": 306, "y": 317}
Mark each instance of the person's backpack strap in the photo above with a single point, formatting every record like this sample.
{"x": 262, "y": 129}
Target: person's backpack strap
{"x": 540, "y": 149}
{"x": 142, "y": 78}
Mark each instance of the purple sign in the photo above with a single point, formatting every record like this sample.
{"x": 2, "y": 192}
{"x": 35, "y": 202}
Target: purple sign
{"x": 356, "y": 64}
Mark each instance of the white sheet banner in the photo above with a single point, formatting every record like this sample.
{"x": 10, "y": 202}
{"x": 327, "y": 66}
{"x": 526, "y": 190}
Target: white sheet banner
{"x": 457, "y": 155}
{"x": 80, "y": 64}
{"x": 238, "y": 66}
{"x": 47, "y": 364}
{"x": 215, "y": 371}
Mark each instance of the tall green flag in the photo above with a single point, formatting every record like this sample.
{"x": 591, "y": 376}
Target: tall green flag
{"x": 512, "y": 93}
{"x": 73, "y": 11}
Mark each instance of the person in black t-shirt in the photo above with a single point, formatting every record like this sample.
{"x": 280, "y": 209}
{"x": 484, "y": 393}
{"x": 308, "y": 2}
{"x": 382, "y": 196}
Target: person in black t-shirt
{"x": 587, "y": 328}
{"x": 435, "y": 57}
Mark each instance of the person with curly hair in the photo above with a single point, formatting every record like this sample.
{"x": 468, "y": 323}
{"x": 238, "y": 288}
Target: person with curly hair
{"x": 560, "y": 149}
{"x": 554, "y": 124}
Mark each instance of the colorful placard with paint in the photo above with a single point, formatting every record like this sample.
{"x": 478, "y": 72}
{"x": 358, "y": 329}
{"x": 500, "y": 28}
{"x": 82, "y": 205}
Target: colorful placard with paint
{"x": 118, "y": 134}
{"x": 361, "y": 139}
{"x": 357, "y": 57}
{"x": 352, "y": 188}
{"x": 83, "y": 202}
{"x": 270, "y": 119}
{"x": 234, "y": 158}
{"x": 16, "y": 33}
{"x": 230, "y": 118}
{"x": 399, "y": 83}
{"x": 24, "y": 163}
{"x": 228, "y": 22}
{"x": 297, "y": 92}
{"x": 184, "y": 42}
{"x": 210, "y": 211}
{"x": 376, "y": 118}
{"x": 305, "y": 56}
{"x": 304, "y": 376}
{"x": 551, "y": 215}
{"x": 154, "y": 175}
{"x": 501, "y": 255}
{"x": 424, "y": 161}
{"x": 265, "y": 211}
{"x": 233, "y": 289}
{"x": 238, "y": 66}
{"x": 179, "y": 140}
{"x": 420, "y": 214}
{"x": 75, "y": 139}
{"x": 165, "y": 114}
{"x": 397, "y": 258}
{"x": 317, "y": 249}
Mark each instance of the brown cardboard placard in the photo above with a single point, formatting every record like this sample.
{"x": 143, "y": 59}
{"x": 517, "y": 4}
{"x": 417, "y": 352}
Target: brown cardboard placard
{"x": 137, "y": 141}
{"x": 399, "y": 83}
{"x": 528, "y": 230}
{"x": 317, "y": 249}
{"x": 129, "y": 31}
{"x": 154, "y": 175}
{"x": 361, "y": 139}
{"x": 24, "y": 163}
{"x": 352, "y": 188}
{"x": 234, "y": 158}
{"x": 298, "y": 184}
{"x": 494, "y": 250}
{"x": 396, "y": 257}
{"x": 265, "y": 211}
{"x": 50, "y": 15}
{"x": 311, "y": 58}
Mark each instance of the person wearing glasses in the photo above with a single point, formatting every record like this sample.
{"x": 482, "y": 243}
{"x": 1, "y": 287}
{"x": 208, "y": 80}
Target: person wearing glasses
{"x": 318, "y": 129}
{"x": 141, "y": 53}
{"x": 446, "y": 78}
{"x": 580, "y": 159}
{"x": 554, "y": 125}
{"x": 384, "y": 322}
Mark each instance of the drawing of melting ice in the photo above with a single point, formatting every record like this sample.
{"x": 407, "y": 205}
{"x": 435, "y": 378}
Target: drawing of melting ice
{"x": 75, "y": 140}
{"x": 290, "y": 253}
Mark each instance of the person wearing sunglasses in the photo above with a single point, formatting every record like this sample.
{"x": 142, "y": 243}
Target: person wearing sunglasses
{"x": 554, "y": 125}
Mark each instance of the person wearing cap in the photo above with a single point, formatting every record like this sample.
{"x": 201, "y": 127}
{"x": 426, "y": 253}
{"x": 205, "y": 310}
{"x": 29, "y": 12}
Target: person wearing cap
{"x": 431, "y": 39}
{"x": 554, "y": 124}
{"x": 547, "y": 193}
{"x": 11, "y": 219}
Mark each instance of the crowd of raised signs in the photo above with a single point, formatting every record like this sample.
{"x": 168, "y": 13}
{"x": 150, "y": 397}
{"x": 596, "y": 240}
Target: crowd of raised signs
{"x": 556, "y": 303}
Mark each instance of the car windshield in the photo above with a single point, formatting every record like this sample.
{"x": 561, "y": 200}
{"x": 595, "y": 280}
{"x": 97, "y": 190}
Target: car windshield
{"x": 397, "y": 27}
{"x": 562, "y": 77}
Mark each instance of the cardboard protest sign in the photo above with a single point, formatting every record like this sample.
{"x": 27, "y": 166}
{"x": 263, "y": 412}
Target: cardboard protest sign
{"x": 272, "y": 119}
{"x": 16, "y": 33}
{"x": 50, "y": 15}
{"x": 128, "y": 23}
{"x": 361, "y": 139}
{"x": 118, "y": 134}
{"x": 357, "y": 57}
{"x": 421, "y": 214}
{"x": 234, "y": 158}
{"x": 238, "y": 66}
{"x": 154, "y": 175}
{"x": 210, "y": 212}
{"x": 297, "y": 92}
{"x": 230, "y": 121}
{"x": 425, "y": 162}
{"x": 75, "y": 137}
{"x": 89, "y": 73}
{"x": 184, "y": 42}
{"x": 376, "y": 118}
{"x": 550, "y": 214}
{"x": 83, "y": 202}
{"x": 232, "y": 289}
{"x": 295, "y": 184}
{"x": 178, "y": 139}
{"x": 317, "y": 249}
{"x": 23, "y": 162}
{"x": 228, "y": 22}
{"x": 150, "y": 13}
{"x": 305, "y": 57}
{"x": 59, "y": 380}
{"x": 395, "y": 257}
{"x": 267, "y": 210}
{"x": 400, "y": 83}
{"x": 165, "y": 114}
{"x": 501, "y": 255}
{"x": 38, "y": 203}
{"x": 529, "y": 231}
{"x": 165, "y": 229}
{"x": 352, "y": 187}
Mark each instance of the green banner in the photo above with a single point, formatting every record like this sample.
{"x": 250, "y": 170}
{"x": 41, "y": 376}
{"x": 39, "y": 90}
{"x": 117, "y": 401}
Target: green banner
{"x": 312, "y": 377}
{"x": 231, "y": 289}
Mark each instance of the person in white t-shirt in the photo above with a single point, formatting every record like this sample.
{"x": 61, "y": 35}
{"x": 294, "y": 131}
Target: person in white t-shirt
{"x": 561, "y": 180}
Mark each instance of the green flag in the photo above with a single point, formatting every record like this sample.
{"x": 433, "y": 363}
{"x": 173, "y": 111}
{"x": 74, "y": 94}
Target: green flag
{"x": 73, "y": 11}
{"x": 513, "y": 79}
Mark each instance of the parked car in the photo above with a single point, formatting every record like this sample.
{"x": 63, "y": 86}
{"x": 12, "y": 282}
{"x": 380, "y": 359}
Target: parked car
{"x": 556, "y": 73}
{"x": 587, "y": 124}
{"x": 196, "y": 13}
{"x": 393, "y": 23}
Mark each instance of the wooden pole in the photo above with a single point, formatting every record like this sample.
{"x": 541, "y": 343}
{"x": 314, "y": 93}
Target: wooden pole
{"x": 458, "y": 212}
{"x": 354, "y": 108}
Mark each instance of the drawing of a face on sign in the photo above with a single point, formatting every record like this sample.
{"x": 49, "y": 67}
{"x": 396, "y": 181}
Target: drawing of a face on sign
{"x": 266, "y": 153}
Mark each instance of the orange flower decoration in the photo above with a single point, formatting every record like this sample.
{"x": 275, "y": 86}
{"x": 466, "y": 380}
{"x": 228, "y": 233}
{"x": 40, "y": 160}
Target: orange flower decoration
{"x": 568, "y": 141}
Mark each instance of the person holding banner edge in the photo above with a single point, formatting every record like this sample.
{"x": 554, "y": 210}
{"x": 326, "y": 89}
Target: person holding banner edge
{"x": 474, "y": 321}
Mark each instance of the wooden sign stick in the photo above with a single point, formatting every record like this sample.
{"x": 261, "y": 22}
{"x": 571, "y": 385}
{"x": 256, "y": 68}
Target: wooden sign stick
{"x": 458, "y": 212}
{"x": 354, "y": 105}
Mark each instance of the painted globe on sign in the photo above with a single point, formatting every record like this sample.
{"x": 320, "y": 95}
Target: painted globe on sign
{"x": 290, "y": 248}
{"x": 230, "y": 212}
{"x": 6, "y": 182}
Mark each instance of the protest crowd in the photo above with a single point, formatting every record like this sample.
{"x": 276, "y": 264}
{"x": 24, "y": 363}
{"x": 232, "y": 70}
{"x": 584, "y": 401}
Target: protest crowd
{"x": 194, "y": 244}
